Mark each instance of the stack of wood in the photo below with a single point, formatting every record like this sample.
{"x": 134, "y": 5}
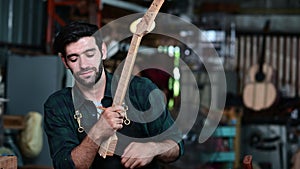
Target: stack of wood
{"x": 8, "y": 162}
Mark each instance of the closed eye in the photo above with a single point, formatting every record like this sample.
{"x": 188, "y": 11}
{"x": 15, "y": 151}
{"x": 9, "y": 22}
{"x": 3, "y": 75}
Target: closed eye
{"x": 90, "y": 52}
{"x": 72, "y": 58}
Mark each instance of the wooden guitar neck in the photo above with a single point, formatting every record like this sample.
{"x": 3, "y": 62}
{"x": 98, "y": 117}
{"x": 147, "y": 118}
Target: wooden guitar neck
{"x": 107, "y": 148}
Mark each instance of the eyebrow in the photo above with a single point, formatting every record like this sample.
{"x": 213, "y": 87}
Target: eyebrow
{"x": 75, "y": 54}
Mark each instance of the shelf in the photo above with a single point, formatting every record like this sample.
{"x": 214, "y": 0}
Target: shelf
{"x": 225, "y": 131}
{"x": 13, "y": 122}
{"x": 219, "y": 157}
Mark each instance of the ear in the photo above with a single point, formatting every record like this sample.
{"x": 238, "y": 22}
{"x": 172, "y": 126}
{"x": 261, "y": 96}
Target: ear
{"x": 63, "y": 59}
{"x": 104, "y": 51}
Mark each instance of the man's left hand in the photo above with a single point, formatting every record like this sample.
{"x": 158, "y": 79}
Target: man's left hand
{"x": 138, "y": 154}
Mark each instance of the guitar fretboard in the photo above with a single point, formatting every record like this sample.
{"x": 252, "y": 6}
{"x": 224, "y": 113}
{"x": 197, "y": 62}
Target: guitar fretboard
{"x": 108, "y": 147}
{"x": 127, "y": 70}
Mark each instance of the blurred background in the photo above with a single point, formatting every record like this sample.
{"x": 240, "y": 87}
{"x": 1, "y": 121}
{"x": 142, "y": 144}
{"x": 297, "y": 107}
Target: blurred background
{"x": 257, "y": 43}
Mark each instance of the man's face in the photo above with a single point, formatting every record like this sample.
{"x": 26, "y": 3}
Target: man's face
{"x": 84, "y": 60}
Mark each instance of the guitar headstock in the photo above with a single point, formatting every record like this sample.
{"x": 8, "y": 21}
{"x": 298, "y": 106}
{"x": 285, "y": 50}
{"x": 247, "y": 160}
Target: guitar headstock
{"x": 147, "y": 22}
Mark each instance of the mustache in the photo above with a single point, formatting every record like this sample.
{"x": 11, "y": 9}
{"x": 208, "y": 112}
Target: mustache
{"x": 86, "y": 69}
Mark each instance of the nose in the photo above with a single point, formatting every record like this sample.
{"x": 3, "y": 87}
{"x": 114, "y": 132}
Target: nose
{"x": 83, "y": 62}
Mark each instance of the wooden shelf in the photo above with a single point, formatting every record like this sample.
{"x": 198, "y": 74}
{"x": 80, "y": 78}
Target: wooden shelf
{"x": 13, "y": 122}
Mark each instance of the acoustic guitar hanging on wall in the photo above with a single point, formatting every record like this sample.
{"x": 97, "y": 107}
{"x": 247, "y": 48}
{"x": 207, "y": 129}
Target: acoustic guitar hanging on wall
{"x": 260, "y": 93}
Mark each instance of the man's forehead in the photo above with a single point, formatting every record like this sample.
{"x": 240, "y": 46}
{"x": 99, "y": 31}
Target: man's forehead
{"x": 81, "y": 45}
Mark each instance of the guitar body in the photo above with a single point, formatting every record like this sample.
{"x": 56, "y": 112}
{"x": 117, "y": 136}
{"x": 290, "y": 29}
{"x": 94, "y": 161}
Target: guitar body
{"x": 267, "y": 71}
{"x": 260, "y": 95}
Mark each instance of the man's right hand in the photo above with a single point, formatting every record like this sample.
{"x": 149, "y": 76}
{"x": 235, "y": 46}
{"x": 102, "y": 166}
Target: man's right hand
{"x": 110, "y": 121}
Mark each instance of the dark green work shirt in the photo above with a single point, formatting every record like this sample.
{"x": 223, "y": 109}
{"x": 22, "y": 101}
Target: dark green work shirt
{"x": 150, "y": 121}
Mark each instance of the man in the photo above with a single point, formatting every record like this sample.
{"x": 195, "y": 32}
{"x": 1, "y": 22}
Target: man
{"x": 88, "y": 107}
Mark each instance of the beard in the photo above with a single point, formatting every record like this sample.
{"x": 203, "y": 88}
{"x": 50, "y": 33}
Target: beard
{"x": 91, "y": 81}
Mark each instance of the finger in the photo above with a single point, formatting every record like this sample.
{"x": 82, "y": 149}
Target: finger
{"x": 136, "y": 163}
{"x": 108, "y": 113}
{"x": 124, "y": 160}
{"x": 115, "y": 112}
{"x": 114, "y": 109}
{"x": 114, "y": 115}
{"x": 117, "y": 126}
{"x": 114, "y": 121}
{"x": 129, "y": 162}
{"x": 126, "y": 153}
{"x": 121, "y": 115}
{"x": 118, "y": 108}
{"x": 118, "y": 121}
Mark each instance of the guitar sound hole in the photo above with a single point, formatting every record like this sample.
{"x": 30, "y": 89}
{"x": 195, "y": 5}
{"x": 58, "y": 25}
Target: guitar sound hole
{"x": 259, "y": 77}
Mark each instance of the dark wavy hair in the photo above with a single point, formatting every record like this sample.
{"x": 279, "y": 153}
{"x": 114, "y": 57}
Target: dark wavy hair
{"x": 72, "y": 33}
